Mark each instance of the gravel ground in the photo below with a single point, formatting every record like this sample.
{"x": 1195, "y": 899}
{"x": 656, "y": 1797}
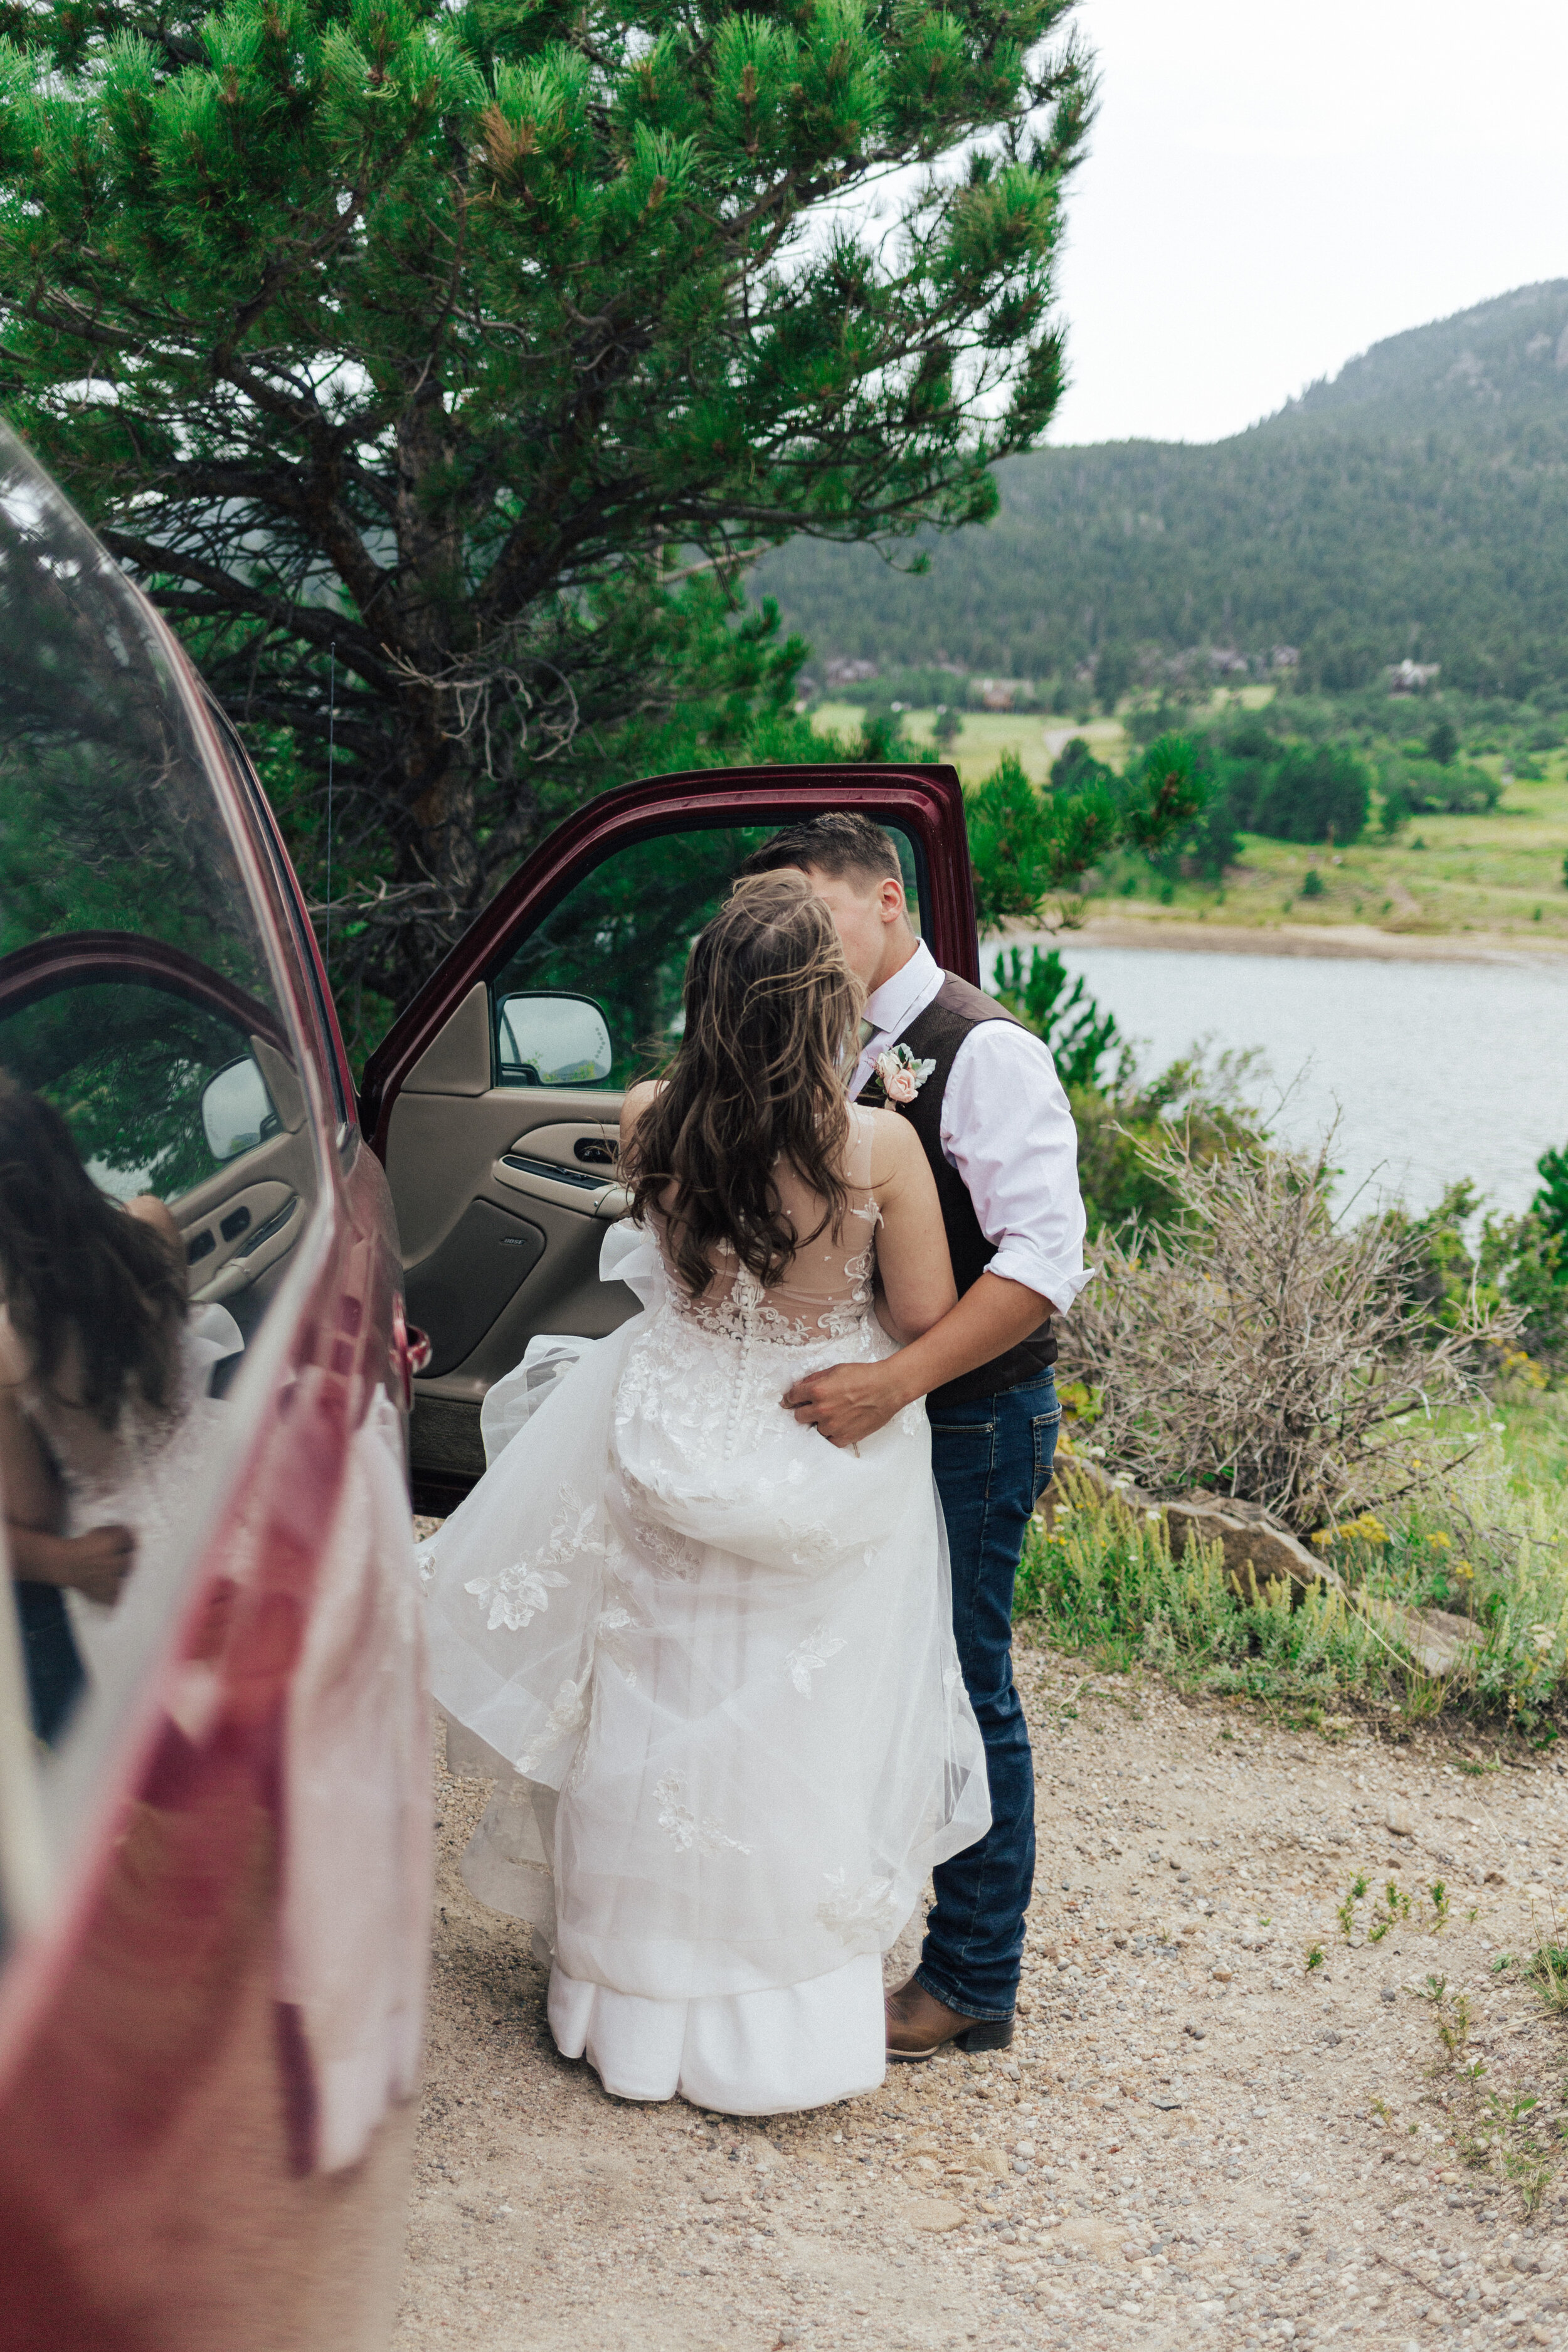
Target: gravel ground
{"x": 1195, "y": 2138}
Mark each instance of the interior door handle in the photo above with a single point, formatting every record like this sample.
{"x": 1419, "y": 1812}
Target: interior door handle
{"x": 593, "y": 1152}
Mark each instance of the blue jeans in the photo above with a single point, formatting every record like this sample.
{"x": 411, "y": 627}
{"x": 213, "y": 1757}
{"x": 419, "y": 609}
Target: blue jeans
{"x": 54, "y": 1668}
{"x": 992, "y": 1457}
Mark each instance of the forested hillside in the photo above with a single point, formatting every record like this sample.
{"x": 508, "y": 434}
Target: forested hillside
{"x": 1416, "y": 504}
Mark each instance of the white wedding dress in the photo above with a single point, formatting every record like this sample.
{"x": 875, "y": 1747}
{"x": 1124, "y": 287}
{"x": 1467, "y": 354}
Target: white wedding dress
{"x": 708, "y": 1658}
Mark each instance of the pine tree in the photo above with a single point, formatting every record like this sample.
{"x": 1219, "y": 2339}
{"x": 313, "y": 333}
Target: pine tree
{"x": 463, "y": 352}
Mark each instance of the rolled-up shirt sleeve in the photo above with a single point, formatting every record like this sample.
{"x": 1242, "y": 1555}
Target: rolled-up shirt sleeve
{"x": 1007, "y": 1129}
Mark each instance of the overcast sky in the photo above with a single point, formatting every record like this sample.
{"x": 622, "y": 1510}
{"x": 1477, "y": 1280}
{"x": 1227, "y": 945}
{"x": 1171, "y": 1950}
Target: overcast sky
{"x": 1272, "y": 188}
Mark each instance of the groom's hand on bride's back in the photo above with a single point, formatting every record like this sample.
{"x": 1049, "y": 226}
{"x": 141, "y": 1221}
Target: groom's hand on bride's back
{"x": 847, "y": 1401}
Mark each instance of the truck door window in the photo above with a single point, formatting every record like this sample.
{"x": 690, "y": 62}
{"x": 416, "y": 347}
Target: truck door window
{"x": 620, "y": 936}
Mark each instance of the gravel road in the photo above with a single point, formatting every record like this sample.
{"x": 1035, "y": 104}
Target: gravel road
{"x": 1196, "y": 2139}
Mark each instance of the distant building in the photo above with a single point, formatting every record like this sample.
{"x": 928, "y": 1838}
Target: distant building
{"x": 1226, "y": 662}
{"x": 849, "y": 673}
{"x": 997, "y": 693}
{"x": 1411, "y": 677}
{"x": 1285, "y": 657}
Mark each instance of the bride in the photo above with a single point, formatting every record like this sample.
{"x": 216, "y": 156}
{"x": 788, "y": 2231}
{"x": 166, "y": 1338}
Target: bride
{"x": 708, "y": 1656}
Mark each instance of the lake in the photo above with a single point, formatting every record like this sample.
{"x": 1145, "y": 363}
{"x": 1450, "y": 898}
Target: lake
{"x": 1438, "y": 1070}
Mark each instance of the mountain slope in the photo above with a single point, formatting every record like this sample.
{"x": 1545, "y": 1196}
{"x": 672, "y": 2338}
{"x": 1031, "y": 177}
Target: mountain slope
{"x": 1416, "y": 505}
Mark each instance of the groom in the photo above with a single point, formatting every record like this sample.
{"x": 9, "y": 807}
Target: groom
{"x": 983, "y": 1095}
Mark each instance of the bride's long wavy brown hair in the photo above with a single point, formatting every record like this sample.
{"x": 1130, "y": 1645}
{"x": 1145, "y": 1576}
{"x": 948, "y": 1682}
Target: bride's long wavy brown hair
{"x": 772, "y": 1011}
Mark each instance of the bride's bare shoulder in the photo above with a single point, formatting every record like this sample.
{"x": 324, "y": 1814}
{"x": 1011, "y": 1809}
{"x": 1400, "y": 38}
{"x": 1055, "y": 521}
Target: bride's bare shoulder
{"x": 637, "y": 1100}
{"x": 895, "y": 1146}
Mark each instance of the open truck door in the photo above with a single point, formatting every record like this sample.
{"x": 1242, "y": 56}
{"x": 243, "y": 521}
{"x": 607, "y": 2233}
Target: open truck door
{"x": 494, "y": 1100}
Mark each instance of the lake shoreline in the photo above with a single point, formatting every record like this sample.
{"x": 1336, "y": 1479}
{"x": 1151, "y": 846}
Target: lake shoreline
{"x": 1343, "y": 942}
{"x": 1430, "y": 1070}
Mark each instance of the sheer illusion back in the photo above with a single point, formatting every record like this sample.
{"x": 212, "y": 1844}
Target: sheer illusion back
{"x": 827, "y": 1289}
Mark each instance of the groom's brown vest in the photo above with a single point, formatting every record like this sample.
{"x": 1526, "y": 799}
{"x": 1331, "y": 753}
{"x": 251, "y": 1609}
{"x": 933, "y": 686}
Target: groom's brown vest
{"x": 935, "y": 1036}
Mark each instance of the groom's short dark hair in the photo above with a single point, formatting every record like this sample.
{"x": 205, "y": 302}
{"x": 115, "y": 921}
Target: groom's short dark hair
{"x": 837, "y": 843}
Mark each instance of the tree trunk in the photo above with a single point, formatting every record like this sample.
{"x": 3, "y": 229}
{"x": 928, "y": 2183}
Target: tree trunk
{"x": 432, "y": 789}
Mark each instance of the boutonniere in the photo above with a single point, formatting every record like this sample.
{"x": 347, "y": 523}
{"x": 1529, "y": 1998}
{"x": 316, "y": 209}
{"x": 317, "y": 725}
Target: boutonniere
{"x": 902, "y": 1076}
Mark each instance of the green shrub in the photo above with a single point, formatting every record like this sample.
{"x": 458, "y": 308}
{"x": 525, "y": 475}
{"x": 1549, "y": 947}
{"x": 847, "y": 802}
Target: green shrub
{"x": 1061, "y": 1012}
{"x": 1312, "y": 792}
{"x": 1075, "y": 765}
{"x": 1024, "y": 845}
{"x": 1424, "y": 787}
{"x": 1209, "y": 842}
{"x": 1551, "y": 1203}
{"x": 1518, "y": 1261}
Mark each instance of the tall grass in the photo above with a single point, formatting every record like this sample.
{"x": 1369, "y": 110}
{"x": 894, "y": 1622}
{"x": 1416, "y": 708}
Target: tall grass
{"x": 1491, "y": 1548}
{"x": 1102, "y": 1579}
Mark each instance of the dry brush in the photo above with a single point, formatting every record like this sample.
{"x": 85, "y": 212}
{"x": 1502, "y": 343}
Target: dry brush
{"x": 1255, "y": 1348}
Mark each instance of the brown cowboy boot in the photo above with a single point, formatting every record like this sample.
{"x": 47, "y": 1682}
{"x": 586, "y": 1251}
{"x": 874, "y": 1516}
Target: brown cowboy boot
{"x": 919, "y": 2025}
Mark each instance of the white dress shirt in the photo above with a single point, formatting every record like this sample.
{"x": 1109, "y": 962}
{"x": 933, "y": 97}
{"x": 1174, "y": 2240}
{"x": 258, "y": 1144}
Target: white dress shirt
{"x": 1005, "y": 1128}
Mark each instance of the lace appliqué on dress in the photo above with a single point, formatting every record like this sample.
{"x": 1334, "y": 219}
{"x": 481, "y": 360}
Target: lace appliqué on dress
{"x": 518, "y": 1594}
{"x": 745, "y": 1312}
{"x": 674, "y": 1554}
{"x": 811, "y": 1657}
{"x": 684, "y": 1828}
{"x": 872, "y": 1909}
{"x": 612, "y": 1623}
{"x": 571, "y": 1708}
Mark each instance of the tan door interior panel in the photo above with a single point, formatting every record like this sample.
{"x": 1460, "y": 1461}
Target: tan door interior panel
{"x": 457, "y": 1061}
{"x": 244, "y": 1236}
{"x": 566, "y": 1188}
{"x": 455, "y": 1294}
{"x": 475, "y": 1171}
{"x": 446, "y": 1160}
{"x": 579, "y": 1143}
{"x": 239, "y": 1223}
{"x": 561, "y": 1292}
{"x": 441, "y": 1150}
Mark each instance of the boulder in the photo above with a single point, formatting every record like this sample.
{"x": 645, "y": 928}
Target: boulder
{"x": 1436, "y": 1640}
{"x": 1258, "y": 1548}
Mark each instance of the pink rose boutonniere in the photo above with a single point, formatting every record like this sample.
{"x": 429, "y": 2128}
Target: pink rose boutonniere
{"x": 902, "y": 1076}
